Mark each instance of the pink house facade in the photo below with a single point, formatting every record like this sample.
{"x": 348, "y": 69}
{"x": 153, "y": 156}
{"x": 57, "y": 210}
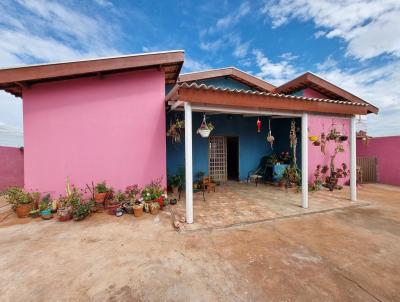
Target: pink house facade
{"x": 105, "y": 119}
{"x": 94, "y": 129}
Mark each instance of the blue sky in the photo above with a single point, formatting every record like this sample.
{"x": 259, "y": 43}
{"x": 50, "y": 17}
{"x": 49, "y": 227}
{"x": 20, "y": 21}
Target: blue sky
{"x": 355, "y": 44}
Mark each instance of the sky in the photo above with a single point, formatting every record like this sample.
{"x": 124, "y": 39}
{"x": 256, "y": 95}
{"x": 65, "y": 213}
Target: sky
{"x": 354, "y": 44}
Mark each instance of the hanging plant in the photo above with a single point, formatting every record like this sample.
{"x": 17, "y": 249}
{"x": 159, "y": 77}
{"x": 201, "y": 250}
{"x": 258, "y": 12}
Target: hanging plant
{"x": 313, "y": 138}
{"x": 270, "y": 138}
{"x": 205, "y": 128}
{"x": 258, "y": 125}
{"x": 175, "y": 130}
{"x": 293, "y": 141}
{"x": 343, "y": 137}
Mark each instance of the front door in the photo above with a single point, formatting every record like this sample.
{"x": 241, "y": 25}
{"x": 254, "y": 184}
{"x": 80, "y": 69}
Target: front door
{"x": 217, "y": 158}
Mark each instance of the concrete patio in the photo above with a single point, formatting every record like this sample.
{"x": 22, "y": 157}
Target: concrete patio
{"x": 237, "y": 203}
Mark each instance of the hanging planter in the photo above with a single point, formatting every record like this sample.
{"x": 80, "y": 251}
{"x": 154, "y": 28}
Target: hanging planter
{"x": 313, "y": 138}
{"x": 175, "y": 130}
{"x": 270, "y": 138}
{"x": 205, "y": 128}
{"x": 258, "y": 125}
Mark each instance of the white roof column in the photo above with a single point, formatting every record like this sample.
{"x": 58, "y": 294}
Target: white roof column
{"x": 188, "y": 163}
{"x": 304, "y": 160}
{"x": 353, "y": 160}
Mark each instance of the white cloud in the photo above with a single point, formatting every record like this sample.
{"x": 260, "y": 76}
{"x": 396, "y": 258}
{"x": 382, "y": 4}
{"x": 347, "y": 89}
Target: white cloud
{"x": 46, "y": 31}
{"x": 234, "y": 18}
{"x": 276, "y": 73}
{"x": 194, "y": 65}
{"x": 378, "y": 86}
{"x": 371, "y": 28}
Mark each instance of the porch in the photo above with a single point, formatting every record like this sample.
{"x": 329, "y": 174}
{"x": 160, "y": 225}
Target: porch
{"x": 236, "y": 203}
{"x": 216, "y": 101}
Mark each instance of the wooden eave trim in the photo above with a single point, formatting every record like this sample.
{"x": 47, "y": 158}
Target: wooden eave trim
{"x": 38, "y": 72}
{"x": 226, "y": 98}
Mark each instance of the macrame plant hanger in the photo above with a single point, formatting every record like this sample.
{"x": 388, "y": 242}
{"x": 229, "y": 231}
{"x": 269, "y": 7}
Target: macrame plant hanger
{"x": 270, "y": 138}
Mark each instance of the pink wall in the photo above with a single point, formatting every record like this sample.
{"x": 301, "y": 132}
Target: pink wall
{"x": 386, "y": 149}
{"x": 11, "y": 167}
{"x": 94, "y": 129}
{"x": 317, "y": 125}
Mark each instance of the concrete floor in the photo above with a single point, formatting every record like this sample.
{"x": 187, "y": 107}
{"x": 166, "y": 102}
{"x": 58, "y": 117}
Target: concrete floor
{"x": 239, "y": 203}
{"x": 348, "y": 254}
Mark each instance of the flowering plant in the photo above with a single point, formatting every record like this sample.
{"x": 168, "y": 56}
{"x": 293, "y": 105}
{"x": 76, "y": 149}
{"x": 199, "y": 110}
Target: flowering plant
{"x": 132, "y": 191}
{"x": 152, "y": 191}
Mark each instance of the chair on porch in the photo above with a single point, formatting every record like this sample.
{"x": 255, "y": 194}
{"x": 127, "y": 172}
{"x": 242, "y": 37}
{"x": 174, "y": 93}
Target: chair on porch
{"x": 260, "y": 172}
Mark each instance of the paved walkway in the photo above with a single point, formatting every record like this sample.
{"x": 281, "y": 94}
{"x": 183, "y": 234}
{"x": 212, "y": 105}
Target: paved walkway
{"x": 237, "y": 203}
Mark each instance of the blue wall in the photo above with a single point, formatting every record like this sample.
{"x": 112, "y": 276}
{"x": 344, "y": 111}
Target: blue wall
{"x": 252, "y": 145}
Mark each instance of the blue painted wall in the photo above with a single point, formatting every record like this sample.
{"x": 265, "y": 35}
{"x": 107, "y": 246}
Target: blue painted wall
{"x": 225, "y": 82}
{"x": 252, "y": 145}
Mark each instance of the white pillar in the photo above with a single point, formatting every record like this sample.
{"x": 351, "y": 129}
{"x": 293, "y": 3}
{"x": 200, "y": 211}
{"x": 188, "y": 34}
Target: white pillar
{"x": 353, "y": 160}
{"x": 304, "y": 160}
{"x": 188, "y": 163}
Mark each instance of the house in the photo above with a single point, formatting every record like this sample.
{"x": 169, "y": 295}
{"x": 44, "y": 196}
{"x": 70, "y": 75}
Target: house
{"x": 106, "y": 119}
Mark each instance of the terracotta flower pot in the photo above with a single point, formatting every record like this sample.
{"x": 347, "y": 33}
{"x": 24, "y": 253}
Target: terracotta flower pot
{"x": 154, "y": 209}
{"x": 138, "y": 210}
{"x": 64, "y": 215}
{"x": 99, "y": 197}
{"x": 23, "y": 210}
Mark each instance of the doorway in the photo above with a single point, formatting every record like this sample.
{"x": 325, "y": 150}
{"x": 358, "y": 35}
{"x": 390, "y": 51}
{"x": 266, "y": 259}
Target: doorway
{"x": 232, "y": 157}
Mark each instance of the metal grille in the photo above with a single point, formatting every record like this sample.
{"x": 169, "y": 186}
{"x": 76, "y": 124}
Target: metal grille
{"x": 217, "y": 158}
{"x": 368, "y": 167}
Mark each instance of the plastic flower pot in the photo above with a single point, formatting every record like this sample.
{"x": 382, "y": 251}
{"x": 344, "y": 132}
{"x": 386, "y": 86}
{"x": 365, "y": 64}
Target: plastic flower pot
{"x": 46, "y": 214}
{"x": 23, "y": 210}
{"x": 313, "y": 138}
{"x": 343, "y": 138}
{"x": 34, "y": 213}
{"x": 128, "y": 208}
{"x": 138, "y": 210}
{"x": 204, "y": 132}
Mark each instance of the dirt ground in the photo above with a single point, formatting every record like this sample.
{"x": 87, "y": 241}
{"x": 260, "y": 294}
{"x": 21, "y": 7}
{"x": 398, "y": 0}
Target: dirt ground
{"x": 344, "y": 255}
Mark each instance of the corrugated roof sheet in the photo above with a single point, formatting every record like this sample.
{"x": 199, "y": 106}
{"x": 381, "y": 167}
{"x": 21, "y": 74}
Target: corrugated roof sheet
{"x": 278, "y": 95}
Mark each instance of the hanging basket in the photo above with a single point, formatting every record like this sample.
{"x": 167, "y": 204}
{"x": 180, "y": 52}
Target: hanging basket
{"x": 205, "y": 128}
{"x": 204, "y": 132}
{"x": 313, "y": 138}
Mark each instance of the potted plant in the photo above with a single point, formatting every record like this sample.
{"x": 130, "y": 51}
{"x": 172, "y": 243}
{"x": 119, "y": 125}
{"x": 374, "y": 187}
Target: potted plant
{"x": 45, "y": 207}
{"x": 331, "y": 180}
{"x": 131, "y": 193}
{"x": 292, "y": 177}
{"x": 115, "y": 201}
{"x": 154, "y": 208}
{"x": 20, "y": 201}
{"x": 175, "y": 182}
{"x": 137, "y": 209}
{"x": 101, "y": 191}
{"x": 65, "y": 210}
{"x": 317, "y": 184}
{"x": 82, "y": 209}
{"x": 152, "y": 192}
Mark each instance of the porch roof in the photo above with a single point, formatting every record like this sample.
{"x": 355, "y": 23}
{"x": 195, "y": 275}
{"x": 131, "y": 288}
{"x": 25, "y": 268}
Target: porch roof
{"x": 210, "y": 95}
{"x": 313, "y": 81}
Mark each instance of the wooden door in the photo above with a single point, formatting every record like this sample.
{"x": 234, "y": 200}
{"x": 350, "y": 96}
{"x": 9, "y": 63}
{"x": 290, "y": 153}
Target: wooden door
{"x": 217, "y": 158}
{"x": 368, "y": 167}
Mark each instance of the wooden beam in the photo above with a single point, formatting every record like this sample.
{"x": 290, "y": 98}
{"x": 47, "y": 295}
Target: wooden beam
{"x": 227, "y": 98}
